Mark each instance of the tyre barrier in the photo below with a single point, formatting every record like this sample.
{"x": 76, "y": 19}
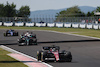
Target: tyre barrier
{"x": 53, "y": 24}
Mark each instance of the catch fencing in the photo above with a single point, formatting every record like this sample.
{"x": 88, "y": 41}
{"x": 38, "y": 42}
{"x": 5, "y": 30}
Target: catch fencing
{"x": 70, "y": 22}
{"x": 49, "y": 20}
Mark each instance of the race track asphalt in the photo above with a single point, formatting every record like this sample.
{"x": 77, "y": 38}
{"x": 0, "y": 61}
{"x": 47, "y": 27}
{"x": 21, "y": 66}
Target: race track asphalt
{"x": 85, "y": 51}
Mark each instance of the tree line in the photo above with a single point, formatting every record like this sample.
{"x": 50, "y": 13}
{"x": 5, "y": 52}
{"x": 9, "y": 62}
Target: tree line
{"x": 76, "y": 12}
{"x": 9, "y": 10}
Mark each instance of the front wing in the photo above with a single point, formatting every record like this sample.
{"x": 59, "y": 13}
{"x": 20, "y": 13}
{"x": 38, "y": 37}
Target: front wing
{"x": 50, "y": 56}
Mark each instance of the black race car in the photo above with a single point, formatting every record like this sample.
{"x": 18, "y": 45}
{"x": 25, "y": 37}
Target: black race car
{"x": 53, "y": 53}
{"x": 11, "y": 33}
{"x": 27, "y": 40}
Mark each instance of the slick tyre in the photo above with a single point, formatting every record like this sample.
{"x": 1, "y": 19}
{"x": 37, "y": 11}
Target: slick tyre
{"x": 17, "y": 34}
{"x": 68, "y": 56}
{"x": 39, "y": 55}
{"x": 43, "y": 56}
{"x": 35, "y": 41}
{"x": 4, "y": 34}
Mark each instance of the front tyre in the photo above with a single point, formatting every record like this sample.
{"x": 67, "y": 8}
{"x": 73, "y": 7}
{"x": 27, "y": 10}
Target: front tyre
{"x": 43, "y": 56}
{"x": 39, "y": 55}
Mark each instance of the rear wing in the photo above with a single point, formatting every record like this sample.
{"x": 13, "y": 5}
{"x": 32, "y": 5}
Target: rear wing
{"x": 48, "y": 47}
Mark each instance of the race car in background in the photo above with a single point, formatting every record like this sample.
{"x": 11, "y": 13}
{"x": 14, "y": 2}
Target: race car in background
{"x": 11, "y": 33}
{"x": 29, "y": 39}
{"x": 53, "y": 53}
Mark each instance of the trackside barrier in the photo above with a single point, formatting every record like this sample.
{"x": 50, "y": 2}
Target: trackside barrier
{"x": 67, "y": 25}
{"x": 0, "y": 23}
{"x": 29, "y": 24}
{"x": 19, "y": 24}
{"x": 95, "y": 26}
{"x": 40, "y": 24}
{"x": 50, "y": 24}
{"x": 89, "y": 26}
{"x": 8, "y": 24}
{"x": 43, "y": 24}
{"x": 53, "y": 24}
{"x": 59, "y": 24}
{"x": 99, "y": 26}
{"x": 75, "y": 25}
{"x": 82, "y": 25}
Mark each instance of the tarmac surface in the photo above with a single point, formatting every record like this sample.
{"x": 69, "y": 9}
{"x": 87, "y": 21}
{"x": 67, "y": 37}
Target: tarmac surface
{"x": 85, "y": 51}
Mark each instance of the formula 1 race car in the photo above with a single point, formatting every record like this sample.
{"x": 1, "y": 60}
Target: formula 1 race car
{"x": 27, "y": 40}
{"x": 52, "y": 53}
{"x": 11, "y": 33}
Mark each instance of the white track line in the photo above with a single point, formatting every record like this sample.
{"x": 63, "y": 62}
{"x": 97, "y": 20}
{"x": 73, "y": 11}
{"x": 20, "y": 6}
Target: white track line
{"x": 69, "y": 34}
{"x": 14, "y": 51}
{"x": 63, "y": 33}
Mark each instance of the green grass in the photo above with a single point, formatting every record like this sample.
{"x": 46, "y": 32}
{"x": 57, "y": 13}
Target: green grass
{"x": 7, "y": 61}
{"x": 87, "y": 32}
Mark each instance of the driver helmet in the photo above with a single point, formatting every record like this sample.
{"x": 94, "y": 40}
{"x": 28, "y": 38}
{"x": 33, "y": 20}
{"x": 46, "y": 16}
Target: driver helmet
{"x": 27, "y": 33}
{"x": 53, "y": 49}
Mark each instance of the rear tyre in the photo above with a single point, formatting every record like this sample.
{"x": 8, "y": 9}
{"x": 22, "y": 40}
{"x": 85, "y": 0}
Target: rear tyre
{"x": 68, "y": 56}
{"x": 35, "y": 41}
{"x": 34, "y": 35}
{"x": 17, "y": 34}
{"x": 4, "y": 34}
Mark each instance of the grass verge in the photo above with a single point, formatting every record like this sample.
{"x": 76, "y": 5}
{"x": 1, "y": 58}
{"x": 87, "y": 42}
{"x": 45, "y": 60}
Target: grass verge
{"x": 7, "y": 61}
{"x": 87, "y": 32}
